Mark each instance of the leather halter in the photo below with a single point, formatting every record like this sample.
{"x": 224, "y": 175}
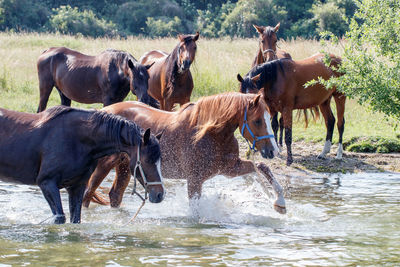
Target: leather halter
{"x": 255, "y": 138}
{"x": 145, "y": 182}
{"x": 268, "y": 50}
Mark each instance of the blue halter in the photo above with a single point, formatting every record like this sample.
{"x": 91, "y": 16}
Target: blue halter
{"x": 255, "y": 138}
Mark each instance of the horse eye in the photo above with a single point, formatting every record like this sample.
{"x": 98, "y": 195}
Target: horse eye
{"x": 257, "y": 122}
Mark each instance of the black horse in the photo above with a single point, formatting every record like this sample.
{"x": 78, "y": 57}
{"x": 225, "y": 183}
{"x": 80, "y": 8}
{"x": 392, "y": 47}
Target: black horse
{"x": 60, "y": 148}
{"x": 105, "y": 78}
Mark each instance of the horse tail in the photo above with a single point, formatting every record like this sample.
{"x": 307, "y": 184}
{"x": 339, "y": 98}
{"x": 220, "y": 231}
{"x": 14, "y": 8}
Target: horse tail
{"x": 97, "y": 198}
{"x": 314, "y": 113}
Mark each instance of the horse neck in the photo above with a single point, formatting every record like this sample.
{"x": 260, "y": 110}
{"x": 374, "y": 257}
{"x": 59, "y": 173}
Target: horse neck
{"x": 259, "y": 58}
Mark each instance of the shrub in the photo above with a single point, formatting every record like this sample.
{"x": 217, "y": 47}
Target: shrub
{"x": 164, "y": 26}
{"x": 330, "y": 18}
{"x": 68, "y": 20}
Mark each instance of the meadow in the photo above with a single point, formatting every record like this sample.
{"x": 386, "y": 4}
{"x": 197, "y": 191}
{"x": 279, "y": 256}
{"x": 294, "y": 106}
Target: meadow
{"x": 218, "y": 61}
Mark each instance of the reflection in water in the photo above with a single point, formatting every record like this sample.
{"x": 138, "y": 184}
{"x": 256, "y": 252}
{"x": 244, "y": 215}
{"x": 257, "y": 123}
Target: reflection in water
{"x": 331, "y": 220}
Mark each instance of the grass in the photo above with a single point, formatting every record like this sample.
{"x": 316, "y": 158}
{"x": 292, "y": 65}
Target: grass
{"x": 217, "y": 63}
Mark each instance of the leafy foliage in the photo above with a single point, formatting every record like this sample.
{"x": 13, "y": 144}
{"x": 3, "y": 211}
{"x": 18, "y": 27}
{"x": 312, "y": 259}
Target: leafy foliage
{"x": 372, "y": 57}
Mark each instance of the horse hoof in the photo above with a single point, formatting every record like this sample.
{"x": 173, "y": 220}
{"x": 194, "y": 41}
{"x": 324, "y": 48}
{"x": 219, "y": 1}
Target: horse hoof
{"x": 289, "y": 162}
{"x": 321, "y": 156}
{"x": 59, "y": 219}
{"x": 280, "y": 209}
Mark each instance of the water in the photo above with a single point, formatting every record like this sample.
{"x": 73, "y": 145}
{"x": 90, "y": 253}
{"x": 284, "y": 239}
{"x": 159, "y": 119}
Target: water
{"x": 331, "y": 220}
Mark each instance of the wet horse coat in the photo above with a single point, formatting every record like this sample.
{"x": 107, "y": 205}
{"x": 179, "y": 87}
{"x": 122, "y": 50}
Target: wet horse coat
{"x": 198, "y": 142}
{"x": 170, "y": 78}
{"x": 283, "y": 81}
{"x": 59, "y": 148}
{"x": 105, "y": 78}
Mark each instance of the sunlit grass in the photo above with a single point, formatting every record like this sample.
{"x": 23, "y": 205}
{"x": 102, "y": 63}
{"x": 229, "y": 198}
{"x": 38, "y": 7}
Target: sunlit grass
{"x": 218, "y": 61}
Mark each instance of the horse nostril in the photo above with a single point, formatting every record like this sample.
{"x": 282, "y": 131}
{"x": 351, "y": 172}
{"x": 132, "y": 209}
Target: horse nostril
{"x": 271, "y": 154}
{"x": 160, "y": 197}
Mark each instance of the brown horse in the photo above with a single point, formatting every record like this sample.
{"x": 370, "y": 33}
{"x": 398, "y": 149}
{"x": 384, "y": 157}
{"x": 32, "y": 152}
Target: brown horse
{"x": 105, "y": 78}
{"x": 170, "y": 78}
{"x": 267, "y": 45}
{"x": 60, "y": 147}
{"x": 284, "y": 82}
{"x": 198, "y": 142}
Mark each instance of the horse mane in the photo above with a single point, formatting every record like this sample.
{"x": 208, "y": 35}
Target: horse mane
{"x": 269, "y": 31}
{"x": 213, "y": 113}
{"x": 269, "y": 72}
{"x": 116, "y": 126}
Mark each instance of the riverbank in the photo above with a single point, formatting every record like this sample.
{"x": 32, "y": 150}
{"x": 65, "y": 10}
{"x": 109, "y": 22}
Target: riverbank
{"x": 306, "y": 162}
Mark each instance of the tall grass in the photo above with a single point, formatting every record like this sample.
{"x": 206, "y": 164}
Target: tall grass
{"x": 217, "y": 63}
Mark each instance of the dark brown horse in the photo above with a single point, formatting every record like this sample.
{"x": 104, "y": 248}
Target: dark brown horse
{"x": 198, "y": 142}
{"x": 170, "y": 78}
{"x": 60, "y": 147}
{"x": 105, "y": 78}
{"x": 284, "y": 82}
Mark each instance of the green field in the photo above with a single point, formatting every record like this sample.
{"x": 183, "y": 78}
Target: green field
{"x": 217, "y": 63}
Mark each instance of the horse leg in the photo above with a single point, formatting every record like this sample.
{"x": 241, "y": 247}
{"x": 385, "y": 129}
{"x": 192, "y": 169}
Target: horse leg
{"x": 326, "y": 111}
{"x": 104, "y": 166}
{"x": 275, "y": 125}
{"x": 121, "y": 181}
{"x": 281, "y": 131}
{"x": 52, "y": 195}
{"x": 169, "y": 104}
{"x": 46, "y": 84}
{"x": 340, "y": 101}
{"x": 242, "y": 167}
{"x": 65, "y": 101}
{"x": 287, "y": 122}
{"x": 75, "y": 196}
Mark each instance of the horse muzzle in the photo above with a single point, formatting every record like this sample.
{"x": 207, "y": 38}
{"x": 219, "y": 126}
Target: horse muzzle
{"x": 186, "y": 64}
{"x": 155, "y": 196}
{"x": 267, "y": 153}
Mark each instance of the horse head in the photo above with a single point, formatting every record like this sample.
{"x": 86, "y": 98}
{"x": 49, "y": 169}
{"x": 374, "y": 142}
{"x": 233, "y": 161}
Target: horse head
{"x": 268, "y": 40}
{"x": 186, "y": 50}
{"x": 145, "y": 166}
{"x": 140, "y": 80}
{"x": 248, "y": 85}
{"x": 256, "y": 128}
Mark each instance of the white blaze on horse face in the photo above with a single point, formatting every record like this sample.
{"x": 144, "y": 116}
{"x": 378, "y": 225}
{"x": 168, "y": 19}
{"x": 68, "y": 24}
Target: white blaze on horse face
{"x": 267, "y": 118}
{"x": 158, "y": 164}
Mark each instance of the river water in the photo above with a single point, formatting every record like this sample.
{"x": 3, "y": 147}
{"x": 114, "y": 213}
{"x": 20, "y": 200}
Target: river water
{"x": 351, "y": 219}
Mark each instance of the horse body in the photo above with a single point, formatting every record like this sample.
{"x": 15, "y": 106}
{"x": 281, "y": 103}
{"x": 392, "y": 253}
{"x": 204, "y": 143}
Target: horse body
{"x": 105, "y": 78}
{"x": 59, "y": 148}
{"x": 198, "y": 142}
{"x": 283, "y": 81}
{"x": 170, "y": 78}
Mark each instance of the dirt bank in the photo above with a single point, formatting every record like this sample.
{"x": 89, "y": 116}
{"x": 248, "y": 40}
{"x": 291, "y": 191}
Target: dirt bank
{"x": 306, "y": 162}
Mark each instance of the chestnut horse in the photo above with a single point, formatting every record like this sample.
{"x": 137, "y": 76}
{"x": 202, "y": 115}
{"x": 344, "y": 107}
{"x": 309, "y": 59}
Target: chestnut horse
{"x": 170, "y": 78}
{"x": 105, "y": 78}
{"x": 284, "y": 82}
{"x": 59, "y": 148}
{"x": 267, "y": 45}
{"x": 198, "y": 142}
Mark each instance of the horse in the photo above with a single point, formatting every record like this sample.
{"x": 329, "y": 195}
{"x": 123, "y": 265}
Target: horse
{"x": 283, "y": 82}
{"x": 267, "y": 45}
{"x": 198, "y": 143}
{"x": 170, "y": 78}
{"x": 105, "y": 78}
{"x": 59, "y": 148}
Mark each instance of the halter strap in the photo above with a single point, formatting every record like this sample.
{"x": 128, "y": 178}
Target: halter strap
{"x": 145, "y": 182}
{"x": 255, "y": 138}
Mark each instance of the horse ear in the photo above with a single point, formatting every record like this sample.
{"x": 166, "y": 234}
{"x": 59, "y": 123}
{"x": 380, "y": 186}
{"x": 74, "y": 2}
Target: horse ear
{"x": 196, "y": 37}
{"x": 158, "y": 136}
{"x": 149, "y": 65}
{"x": 277, "y": 27}
{"x": 256, "y": 78}
{"x": 181, "y": 37}
{"x": 254, "y": 102}
{"x": 240, "y": 79}
{"x": 259, "y": 29}
{"x": 146, "y": 137}
{"x": 130, "y": 64}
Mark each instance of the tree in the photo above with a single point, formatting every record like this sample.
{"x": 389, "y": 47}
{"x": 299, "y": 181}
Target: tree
{"x": 371, "y": 60}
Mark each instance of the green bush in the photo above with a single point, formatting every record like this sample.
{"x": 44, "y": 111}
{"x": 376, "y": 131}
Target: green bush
{"x": 68, "y": 20}
{"x": 330, "y": 18}
{"x": 164, "y": 26}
